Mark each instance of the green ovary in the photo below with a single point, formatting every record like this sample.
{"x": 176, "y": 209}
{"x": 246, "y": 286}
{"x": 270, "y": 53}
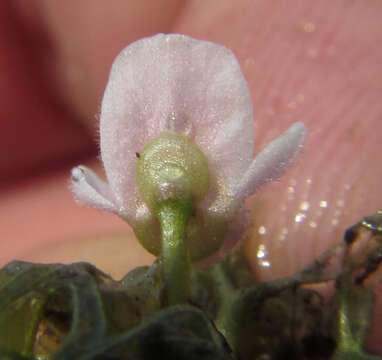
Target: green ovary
{"x": 172, "y": 167}
{"x": 172, "y": 176}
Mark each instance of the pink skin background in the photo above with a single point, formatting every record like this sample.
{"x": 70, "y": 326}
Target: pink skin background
{"x": 313, "y": 61}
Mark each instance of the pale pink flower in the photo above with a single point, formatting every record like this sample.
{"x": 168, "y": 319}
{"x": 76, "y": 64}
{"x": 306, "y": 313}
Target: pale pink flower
{"x": 196, "y": 88}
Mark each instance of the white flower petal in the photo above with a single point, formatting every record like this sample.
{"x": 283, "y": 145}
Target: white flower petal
{"x": 191, "y": 87}
{"x": 89, "y": 189}
{"x": 174, "y": 82}
{"x": 271, "y": 163}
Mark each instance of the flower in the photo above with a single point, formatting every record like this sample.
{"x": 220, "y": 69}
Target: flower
{"x": 181, "y": 88}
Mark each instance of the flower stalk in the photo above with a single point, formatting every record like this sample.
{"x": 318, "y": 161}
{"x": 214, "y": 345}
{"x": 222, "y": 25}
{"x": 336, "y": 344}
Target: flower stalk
{"x": 173, "y": 216}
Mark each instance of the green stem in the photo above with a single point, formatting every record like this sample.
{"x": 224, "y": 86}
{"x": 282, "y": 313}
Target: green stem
{"x": 37, "y": 310}
{"x": 173, "y": 217}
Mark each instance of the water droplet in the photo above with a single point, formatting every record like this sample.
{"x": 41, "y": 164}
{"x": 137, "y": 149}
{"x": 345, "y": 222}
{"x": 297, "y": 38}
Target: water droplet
{"x": 264, "y": 263}
{"x": 261, "y": 251}
{"x": 299, "y": 217}
{"x": 313, "y": 224}
{"x": 262, "y": 230}
{"x": 304, "y": 206}
{"x": 323, "y": 204}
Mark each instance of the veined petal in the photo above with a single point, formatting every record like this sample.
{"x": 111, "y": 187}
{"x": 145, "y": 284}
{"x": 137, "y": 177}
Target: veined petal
{"x": 89, "y": 189}
{"x": 271, "y": 163}
{"x": 174, "y": 82}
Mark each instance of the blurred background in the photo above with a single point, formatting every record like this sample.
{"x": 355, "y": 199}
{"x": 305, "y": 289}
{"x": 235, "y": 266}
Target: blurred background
{"x": 54, "y": 62}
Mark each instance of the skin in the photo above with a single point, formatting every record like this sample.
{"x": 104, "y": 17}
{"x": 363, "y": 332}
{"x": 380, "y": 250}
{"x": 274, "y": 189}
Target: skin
{"x": 316, "y": 62}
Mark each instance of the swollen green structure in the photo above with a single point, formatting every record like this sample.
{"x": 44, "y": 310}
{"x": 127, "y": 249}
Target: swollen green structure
{"x": 172, "y": 176}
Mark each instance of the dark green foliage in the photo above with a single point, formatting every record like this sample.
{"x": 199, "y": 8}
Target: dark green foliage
{"x": 76, "y": 311}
